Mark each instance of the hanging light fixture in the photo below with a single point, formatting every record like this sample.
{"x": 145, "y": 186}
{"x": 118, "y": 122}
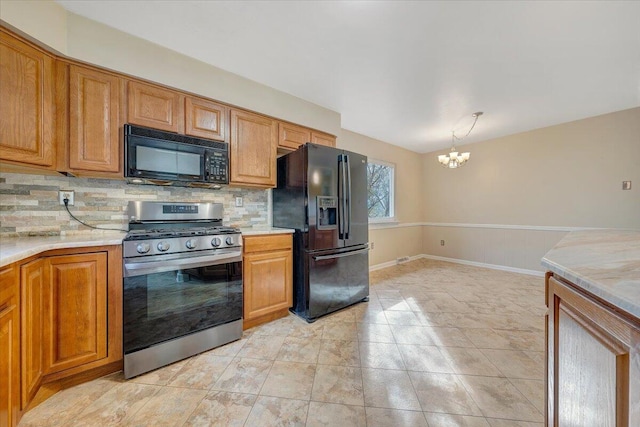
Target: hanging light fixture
{"x": 454, "y": 159}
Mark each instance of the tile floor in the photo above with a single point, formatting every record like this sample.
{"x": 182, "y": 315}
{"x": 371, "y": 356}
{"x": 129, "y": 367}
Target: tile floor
{"x": 438, "y": 344}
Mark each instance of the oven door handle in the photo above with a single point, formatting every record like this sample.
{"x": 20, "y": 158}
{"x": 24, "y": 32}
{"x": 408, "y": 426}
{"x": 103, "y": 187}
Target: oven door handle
{"x": 132, "y": 269}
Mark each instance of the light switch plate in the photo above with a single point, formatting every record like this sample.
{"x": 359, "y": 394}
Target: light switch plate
{"x": 626, "y": 185}
{"x": 238, "y": 202}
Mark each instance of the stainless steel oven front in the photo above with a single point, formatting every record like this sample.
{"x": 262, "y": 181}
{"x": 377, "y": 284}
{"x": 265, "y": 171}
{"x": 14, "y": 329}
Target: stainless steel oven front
{"x": 178, "y": 305}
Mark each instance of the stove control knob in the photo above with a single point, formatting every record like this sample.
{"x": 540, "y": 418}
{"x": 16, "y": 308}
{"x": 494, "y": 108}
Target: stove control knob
{"x": 163, "y": 246}
{"x": 143, "y": 248}
{"x": 229, "y": 240}
{"x": 215, "y": 242}
{"x": 191, "y": 243}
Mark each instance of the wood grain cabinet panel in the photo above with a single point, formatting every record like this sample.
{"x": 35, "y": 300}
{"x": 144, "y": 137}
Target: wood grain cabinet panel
{"x": 155, "y": 107}
{"x": 292, "y": 136}
{"x": 593, "y": 362}
{"x": 26, "y": 103}
{"x": 9, "y": 347}
{"x": 76, "y": 311}
{"x": 204, "y": 118}
{"x": 94, "y": 120}
{"x": 33, "y": 286}
{"x": 268, "y": 278}
{"x": 253, "y": 145}
{"x": 323, "y": 139}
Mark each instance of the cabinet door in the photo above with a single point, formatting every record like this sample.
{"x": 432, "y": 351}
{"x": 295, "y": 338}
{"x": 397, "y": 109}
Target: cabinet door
{"x": 205, "y": 119}
{"x": 94, "y": 120}
{"x": 593, "y": 362}
{"x": 33, "y": 284}
{"x": 155, "y": 107}
{"x": 292, "y": 136}
{"x": 26, "y": 107}
{"x": 267, "y": 283}
{"x": 253, "y": 149}
{"x": 323, "y": 139}
{"x": 76, "y": 311}
{"x": 9, "y": 348}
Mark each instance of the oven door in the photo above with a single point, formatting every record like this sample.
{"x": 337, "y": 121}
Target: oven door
{"x": 173, "y": 296}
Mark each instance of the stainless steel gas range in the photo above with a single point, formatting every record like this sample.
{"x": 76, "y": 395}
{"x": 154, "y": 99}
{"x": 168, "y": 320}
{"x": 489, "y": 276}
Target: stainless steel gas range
{"x": 182, "y": 283}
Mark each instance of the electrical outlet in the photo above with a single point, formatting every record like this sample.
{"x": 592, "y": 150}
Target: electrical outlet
{"x": 626, "y": 185}
{"x": 238, "y": 202}
{"x": 66, "y": 194}
{"x": 372, "y": 245}
{"x": 441, "y": 242}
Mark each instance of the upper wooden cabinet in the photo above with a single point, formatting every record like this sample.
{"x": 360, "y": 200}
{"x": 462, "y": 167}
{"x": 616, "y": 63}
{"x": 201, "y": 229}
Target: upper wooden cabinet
{"x": 94, "y": 121}
{"x": 26, "y": 103}
{"x": 292, "y": 136}
{"x": 252, "y": 149}
{"x": 205, "y": 119}
{"x": 323, "y": 139}
{"x": 155, "y": 107}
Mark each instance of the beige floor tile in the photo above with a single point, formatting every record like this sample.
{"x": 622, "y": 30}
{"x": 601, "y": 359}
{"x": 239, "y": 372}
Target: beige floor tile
{"x": 338, "y": 384}
{"x": 369, "y": 314}
{"x": 449, "y": 420}
{"x": 281, "y": 327}
{"x": 221, "y": 408}
{"x": 511, "y": 423}
{"x": 158, "y": 413}
{"x": 373, "y": 332}
{"x": 306, "y": 330}
{"x": 406, "y": 318}
{"x": 340, "y": 331}
{"x": 384, "y": 417}
{"x": 201, "y": 372}
{"x": 276, "y": 411}
{"x": 425, "y": 358}
{"x": 303, "y": 350}
{"x": 450, "y": 337}
{"x": 443, "y": 393}
{"x": 396, "y": 304}
{"x": 262, "y": 347}
{"x": 244, "y": 376}
{"x": 415, "y": 335}
{"x": 340, "y": 353}
{"x": 386, "y": 388}
{"x": 532, "y": 390}
{"x": 289, "y": 379}
{"x": 163, "y": 375}
{"x": 470, "y": 361}
{"x": 332, "y": 414}
{"x": 498, "y": 398}
{"x": 515, "y": 364}
{"x": 116, "y": 405}
{"x": 380, "y": 355}
{"x": 230, "y": 349}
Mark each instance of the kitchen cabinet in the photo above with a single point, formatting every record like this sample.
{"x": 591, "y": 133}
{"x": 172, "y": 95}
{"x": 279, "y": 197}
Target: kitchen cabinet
{"x": 155, "y": 107}
{"x": 9, "y": 347}
{"x": 252, "y": 150}
{"x": 593, "y": 360}
{"x": 323, "y": 139}
{"x": 204, "y": 118}
{"x": 268, "y": 278}
{"x": 292, "y": 136}
{"x": 95, "y": 122}
{"x": 27, "y": 107}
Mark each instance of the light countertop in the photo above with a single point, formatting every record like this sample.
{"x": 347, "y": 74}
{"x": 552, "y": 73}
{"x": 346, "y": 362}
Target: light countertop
{"x": 267, "y": 230}
{"x": 14, "y": 249}
{"x": 605, "y": 263}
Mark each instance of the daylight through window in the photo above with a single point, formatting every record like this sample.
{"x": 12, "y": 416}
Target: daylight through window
{"x": 380, "y": 177}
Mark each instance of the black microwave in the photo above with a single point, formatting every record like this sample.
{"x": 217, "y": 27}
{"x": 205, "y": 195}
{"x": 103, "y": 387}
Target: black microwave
{"x": 157, "y": 157}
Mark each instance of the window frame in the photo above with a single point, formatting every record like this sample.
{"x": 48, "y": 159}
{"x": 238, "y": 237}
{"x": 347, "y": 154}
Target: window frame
{"x": 392, "y": 194}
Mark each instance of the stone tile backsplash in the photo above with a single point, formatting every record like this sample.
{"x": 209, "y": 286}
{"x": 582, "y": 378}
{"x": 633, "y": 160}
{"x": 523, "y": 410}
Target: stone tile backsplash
{"x": 29, "y": 203}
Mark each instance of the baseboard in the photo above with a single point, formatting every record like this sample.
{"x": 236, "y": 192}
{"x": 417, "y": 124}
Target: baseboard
{"x": 462, "y": 261}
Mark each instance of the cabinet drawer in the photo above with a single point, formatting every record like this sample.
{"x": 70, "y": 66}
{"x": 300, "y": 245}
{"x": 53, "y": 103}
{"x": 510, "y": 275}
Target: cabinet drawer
{"x": 264, "y": 243}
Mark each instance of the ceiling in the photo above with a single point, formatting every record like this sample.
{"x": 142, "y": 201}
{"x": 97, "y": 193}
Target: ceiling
{"x": 409, "y": 72}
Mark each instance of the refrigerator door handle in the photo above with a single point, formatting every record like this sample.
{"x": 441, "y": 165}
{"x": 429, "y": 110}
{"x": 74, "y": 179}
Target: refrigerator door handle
{"x": 342, "y": 159}
{"x": 342, "y": 255}
{"x": 347, "y": 198}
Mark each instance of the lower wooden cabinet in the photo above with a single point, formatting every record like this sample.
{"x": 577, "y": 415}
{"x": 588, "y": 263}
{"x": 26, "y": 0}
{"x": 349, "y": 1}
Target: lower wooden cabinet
{"x": 267, "y": 276}
{"x": 9, "y": 347}
{"x": 593, "y": 361}
{"x": 60, "y": 324}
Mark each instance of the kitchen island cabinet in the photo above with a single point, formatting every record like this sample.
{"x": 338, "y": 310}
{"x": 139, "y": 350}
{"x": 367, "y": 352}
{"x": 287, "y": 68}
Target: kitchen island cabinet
{"x": 593, "y": 330}
{"x": 267, "y": 277}
{"x": 9, "y": 347}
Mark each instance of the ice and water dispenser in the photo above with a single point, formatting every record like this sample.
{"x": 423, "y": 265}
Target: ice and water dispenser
{"x": 327, "y": 212}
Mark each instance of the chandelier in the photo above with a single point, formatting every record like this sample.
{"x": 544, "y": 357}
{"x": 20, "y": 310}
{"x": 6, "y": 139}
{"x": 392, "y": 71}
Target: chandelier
{"x": 454, "y": 159}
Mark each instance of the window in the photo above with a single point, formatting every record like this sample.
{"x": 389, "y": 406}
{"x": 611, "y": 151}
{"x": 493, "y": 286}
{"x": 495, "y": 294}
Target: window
{"x": 380, "y": 177}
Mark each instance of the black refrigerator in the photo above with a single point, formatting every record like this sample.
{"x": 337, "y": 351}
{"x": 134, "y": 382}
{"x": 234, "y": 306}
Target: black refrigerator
{"x": 322, "y": 194}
